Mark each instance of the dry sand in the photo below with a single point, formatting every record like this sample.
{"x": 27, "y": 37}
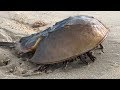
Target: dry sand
{"x": 15, "y": 24}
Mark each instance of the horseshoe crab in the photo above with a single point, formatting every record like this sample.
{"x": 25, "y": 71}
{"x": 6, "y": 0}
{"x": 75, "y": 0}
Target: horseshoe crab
{"x": 67, "y": 39}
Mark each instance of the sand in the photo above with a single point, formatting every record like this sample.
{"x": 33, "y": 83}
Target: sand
{"x": 16, "y": 24}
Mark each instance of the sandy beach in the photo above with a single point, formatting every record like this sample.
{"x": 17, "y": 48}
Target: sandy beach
{"x": 16, "y": 24}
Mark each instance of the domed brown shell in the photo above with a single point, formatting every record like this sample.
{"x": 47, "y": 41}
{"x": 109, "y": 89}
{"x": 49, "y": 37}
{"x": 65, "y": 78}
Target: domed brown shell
{"x": 68, "y": 38}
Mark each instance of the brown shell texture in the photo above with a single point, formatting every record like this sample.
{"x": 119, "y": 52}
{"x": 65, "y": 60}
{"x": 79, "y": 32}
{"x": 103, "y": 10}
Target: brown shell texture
{"x": 68, "y": 38}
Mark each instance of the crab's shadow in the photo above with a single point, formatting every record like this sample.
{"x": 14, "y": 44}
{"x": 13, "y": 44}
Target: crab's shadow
{"x": 62, "y": 67}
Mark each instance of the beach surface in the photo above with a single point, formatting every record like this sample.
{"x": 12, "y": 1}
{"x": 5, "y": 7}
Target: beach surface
{"x": 16, "y": 24}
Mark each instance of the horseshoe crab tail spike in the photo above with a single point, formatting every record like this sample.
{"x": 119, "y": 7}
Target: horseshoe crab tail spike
{"x": 7, "y": 44}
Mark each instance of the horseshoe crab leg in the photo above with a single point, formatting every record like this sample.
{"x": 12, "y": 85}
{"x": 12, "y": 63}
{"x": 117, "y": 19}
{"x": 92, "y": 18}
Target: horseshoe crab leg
{"x": 82, "y": 59}
{"x": 65, "y": 64}
{"x": 101, "y": 47}
{"x": 91, "y": 56}
{"x": 42, "y": 68}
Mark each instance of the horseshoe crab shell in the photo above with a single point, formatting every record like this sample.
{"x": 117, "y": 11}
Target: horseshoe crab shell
{"x": 68, "y": 38}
